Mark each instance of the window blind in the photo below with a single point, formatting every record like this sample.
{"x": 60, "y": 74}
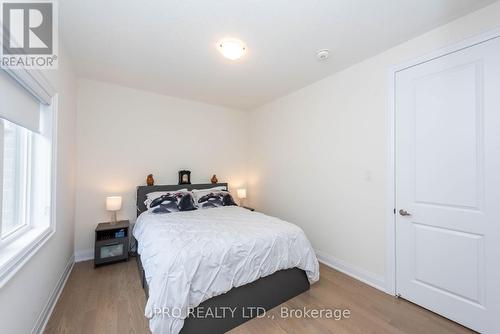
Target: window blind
{"x": 17, "y": 105}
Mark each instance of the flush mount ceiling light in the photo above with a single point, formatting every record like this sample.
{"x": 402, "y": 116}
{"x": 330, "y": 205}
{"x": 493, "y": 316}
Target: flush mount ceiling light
{"x": 232, "y": 48}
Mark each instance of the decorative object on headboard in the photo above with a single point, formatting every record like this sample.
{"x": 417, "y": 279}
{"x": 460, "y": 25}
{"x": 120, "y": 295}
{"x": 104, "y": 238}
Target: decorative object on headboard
{"x": 214, "y": 179}
{"x": 184, "y": 177}
{"x": 150, "y": 181}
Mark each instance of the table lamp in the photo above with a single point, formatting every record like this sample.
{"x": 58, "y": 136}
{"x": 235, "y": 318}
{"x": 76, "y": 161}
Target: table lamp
{"x": 242, "y": 194}
{"x": 113, "y": 204}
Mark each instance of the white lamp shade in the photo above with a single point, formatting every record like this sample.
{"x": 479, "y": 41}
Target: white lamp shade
{"x": 242, "y": 193}
{"x": 113, "y": 203}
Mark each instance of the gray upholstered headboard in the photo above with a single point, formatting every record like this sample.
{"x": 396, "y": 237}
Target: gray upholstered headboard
{"x": 142, "y": 191}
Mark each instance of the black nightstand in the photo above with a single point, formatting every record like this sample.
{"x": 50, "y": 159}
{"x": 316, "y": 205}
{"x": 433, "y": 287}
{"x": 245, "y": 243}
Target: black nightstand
{"x": 248, "y": 208}
{"x": 111, "y": 242}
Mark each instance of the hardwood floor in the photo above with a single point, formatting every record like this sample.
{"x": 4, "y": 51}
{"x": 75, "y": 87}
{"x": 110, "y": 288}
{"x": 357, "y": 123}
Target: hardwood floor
{"x": 109, "y": 299}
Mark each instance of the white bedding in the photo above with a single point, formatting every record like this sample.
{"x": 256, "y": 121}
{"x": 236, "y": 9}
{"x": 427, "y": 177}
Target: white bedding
{"x": 191, "y": 256}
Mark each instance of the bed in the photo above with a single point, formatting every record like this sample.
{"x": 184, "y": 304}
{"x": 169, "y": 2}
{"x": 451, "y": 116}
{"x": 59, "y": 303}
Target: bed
{"x": 210, "y": 270}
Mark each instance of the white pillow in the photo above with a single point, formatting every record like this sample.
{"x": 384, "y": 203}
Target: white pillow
{"x": 155, "y": 194}
{"x": 199, "y": 193}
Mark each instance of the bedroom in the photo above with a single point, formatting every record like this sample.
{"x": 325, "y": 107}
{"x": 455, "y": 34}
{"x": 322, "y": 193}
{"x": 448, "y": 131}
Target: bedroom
{"x": 348, "y": 219}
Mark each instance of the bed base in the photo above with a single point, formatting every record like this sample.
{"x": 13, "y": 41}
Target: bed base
{"x": 265, "y": 293}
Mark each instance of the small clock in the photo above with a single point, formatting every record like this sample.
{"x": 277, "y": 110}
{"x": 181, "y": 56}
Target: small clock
{"x": 184, "y": 177}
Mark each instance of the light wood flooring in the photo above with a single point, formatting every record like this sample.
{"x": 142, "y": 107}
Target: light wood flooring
{"x": 109, "y": 299}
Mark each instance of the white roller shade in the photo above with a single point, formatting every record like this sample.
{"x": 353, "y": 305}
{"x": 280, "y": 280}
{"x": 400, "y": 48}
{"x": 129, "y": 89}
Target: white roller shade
{"x": 17, "y": 105}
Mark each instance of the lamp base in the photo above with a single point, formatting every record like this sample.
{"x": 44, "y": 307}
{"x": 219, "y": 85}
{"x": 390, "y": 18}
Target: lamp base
{"x": 113, "y": 218}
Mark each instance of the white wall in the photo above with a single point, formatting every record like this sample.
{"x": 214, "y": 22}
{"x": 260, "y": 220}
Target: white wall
{"x": 319, "y": 154}
{"x": 124, "y": 134}
{"x": 24, "y": 297}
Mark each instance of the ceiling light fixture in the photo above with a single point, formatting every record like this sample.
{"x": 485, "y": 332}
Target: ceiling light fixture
{"x": 232, "y": 48}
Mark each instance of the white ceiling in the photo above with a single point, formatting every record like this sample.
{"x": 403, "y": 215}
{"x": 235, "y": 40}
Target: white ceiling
{"x": 168, "y": 46}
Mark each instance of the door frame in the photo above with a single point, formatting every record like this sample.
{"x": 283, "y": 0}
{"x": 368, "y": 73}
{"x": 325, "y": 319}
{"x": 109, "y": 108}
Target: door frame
{"x": 390, "y": 272}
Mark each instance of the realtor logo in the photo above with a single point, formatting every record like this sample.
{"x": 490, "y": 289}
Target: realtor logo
{"x": 29, "y": 36}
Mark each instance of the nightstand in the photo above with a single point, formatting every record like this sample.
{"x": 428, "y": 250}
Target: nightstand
{"x": 248, "y": 208}
{"x": 111, "y": 242}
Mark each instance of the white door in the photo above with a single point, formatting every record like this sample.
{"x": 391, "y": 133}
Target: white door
{"x": 447, "y": 143}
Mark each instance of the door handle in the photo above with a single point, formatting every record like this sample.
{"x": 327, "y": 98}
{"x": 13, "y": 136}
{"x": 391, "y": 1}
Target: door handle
{"x": 403, "y": 212}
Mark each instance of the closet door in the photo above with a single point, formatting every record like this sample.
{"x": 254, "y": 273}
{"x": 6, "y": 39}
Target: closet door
{"x": 448, "y": 185}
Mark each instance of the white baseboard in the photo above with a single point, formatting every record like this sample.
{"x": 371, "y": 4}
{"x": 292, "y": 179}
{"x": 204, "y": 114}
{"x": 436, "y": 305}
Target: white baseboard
{"x": 54, "y": 297}
{"x": 372, "y": 279}
{"x": 84, "y": 255}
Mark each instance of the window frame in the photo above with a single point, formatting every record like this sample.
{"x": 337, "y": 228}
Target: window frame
{"x": 17, "y": 248}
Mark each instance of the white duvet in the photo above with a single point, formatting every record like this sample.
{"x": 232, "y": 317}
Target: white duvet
{"x": 189, "y": 257}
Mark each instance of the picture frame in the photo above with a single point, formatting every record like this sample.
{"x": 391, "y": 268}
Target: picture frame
{"x": 184, "y": 177}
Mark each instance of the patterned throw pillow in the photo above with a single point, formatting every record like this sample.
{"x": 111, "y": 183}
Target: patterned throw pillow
{"x": 172, "y": 202}
{"x": 198, "y": 193}
{"x": 155, "y": 194}
{"x": 215, "y": 199}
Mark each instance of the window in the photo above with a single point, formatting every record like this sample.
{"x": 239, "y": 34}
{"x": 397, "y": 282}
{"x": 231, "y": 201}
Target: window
{"x": 27, "y": 114}
{"x": 25, "y": 178}
{"x": 16, "y": 177}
